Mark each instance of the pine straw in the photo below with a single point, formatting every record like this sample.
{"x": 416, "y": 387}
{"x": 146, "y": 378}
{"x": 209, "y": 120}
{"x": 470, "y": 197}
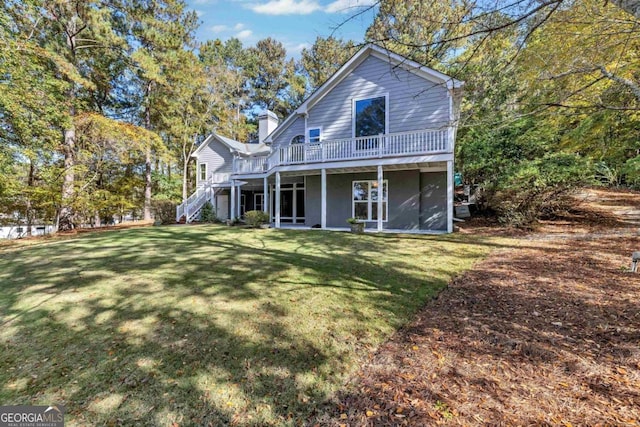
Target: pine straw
{"x": 545, "y": 333}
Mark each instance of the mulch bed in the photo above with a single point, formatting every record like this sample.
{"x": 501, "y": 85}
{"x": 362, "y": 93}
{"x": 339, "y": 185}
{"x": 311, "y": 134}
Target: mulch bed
{"x": 546, "y": 332}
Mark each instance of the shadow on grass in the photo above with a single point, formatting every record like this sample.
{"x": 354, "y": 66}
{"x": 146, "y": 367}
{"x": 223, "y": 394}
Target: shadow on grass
{"x": 207, "y": 325}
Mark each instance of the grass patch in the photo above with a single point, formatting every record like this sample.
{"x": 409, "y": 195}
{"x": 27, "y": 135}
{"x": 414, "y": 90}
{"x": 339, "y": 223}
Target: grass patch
{"x": 207, "y": 324}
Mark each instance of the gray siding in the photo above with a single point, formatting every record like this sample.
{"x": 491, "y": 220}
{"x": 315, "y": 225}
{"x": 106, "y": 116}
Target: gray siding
{"x": 296, "y": 128}
{"x": 414, "y": 103}
{"x": 409, "y": 208}
{"x": 433, "y": 201}
{"x": 217, "y": 157}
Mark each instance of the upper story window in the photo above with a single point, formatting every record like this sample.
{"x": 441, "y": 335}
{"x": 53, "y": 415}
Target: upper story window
{"x": 370, "y": 116}
{"x": 314, "y": 135}
{"x": 298, "y": 139}
{"x": 202, "y": 172}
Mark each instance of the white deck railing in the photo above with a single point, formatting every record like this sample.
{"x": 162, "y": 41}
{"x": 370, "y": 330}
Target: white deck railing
{"x": 368, "y": 147}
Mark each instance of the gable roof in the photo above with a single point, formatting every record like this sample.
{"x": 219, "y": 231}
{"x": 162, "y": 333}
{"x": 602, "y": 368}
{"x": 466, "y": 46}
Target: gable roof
{"x": 232, "y": 145}
{"x": 369, "y": 50}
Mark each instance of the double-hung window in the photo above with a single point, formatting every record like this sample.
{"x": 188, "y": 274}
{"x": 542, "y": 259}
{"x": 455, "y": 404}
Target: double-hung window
{"x": 314, "y": 135}
{"x": 202, "y": 172}
{"x": 366, "y": 199}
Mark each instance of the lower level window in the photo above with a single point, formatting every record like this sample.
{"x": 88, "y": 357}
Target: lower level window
{"x": 366, "y": 199}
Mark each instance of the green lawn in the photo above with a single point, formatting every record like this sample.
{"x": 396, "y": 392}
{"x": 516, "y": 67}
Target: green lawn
{"x": 207, "y": 324}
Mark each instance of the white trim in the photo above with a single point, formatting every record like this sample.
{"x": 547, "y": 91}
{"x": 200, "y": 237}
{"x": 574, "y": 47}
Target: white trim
{"x": 450, "y": 196}
{"x": 304, "y": 139}
{"x": 369, "y": 50}
{"x": 206, "y": 172}
{"x": 415, "y": 67}
{"x": 294, "y": 203}
{"x": 386, "y": 111}
{"x": 359, "y": 163}
{"x": 277, "y": 200}
{"x": 323, "y": 198}
{"x": 232, "y": 213}
{"x": 307, "y": 137}
{"x": 379, "y": 214}
{"x": 385, "y": 202}
{"x": 265, "y": 197}
{"x": 255, "y": 201}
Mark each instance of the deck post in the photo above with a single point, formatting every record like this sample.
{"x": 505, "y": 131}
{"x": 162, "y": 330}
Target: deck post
{"x": 450, "y": 196}
{"x": 380, "y": 197}
{"x": 277, "y": 200}
{"x": 232, "y": 215}
{"x": 265, "y": 197}
{"x": 323, "y": 198}
{"x": 239, "y": 196}
{"x": 294, "y": 197}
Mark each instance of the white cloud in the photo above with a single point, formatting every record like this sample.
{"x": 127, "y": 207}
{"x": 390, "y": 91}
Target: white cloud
{"x": 244, "y": 34}
{"x": 287, "y": 7}
{"x": 344, "y": 6}
{"x": 219, "y": 28}
{"x": 239, "y": 26}
{"x": 294, "y": 49}
{"x": 205, "y": 1}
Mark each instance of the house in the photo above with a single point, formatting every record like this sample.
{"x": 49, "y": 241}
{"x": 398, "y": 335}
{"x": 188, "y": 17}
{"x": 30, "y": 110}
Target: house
{"x": 374, "y": 142}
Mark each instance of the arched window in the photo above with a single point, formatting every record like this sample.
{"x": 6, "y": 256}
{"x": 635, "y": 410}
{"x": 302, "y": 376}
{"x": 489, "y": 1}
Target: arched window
{"x": 298, "y": 139}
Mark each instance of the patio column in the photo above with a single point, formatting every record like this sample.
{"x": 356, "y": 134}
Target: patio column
{"x": 380, "y": 197}
{"x": 232, "y": 213}
{"x": 265, "y": 196}
{"x": 277, "y": 200}
{"x": 239, "y": 196}
{"x": 450, "y": 196}
{"x": 323, "y": 199}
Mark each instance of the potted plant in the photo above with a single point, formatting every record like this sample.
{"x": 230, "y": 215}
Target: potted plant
{"x": 357, "y": 226}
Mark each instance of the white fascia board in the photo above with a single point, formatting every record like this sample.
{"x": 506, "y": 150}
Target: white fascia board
{"x": 319, "y": 93}
{"x": 415, "y": 67}
{"x": 201, "y": 146}
{"x": 380, "y": 53}
{"x": 369, "y": 162}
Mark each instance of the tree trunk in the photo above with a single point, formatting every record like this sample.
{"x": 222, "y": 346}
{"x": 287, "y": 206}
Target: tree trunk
{"x": 29, "y": 207}
{"x": 147, "y": 186}
{"x": 66, "y": 220}
{"x": 185, "y": 176}
{"x": 147, "y": 160}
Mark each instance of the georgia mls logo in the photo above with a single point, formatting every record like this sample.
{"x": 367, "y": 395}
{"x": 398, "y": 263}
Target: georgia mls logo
{"x": 31, "y": 416}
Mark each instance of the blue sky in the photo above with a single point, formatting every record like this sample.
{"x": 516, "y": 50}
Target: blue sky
{"x": 295, "y": 23}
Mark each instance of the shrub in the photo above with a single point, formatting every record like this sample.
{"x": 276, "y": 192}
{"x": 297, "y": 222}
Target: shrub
{"x": 207, "y": 213}
{"x": 538, "y": 188}
{"x": 521, "y": 173}
{"x": 164, "y": 211}
{"x": 256, "y": 218}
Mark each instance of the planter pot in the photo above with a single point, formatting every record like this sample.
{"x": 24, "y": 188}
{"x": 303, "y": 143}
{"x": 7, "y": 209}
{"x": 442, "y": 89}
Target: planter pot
{"x": 265, "y": 226}
{"x": 357, "y": 227}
